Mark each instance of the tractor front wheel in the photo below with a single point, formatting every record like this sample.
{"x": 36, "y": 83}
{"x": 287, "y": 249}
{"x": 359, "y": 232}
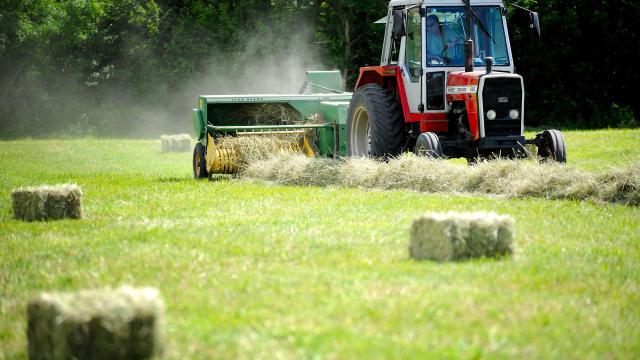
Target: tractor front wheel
{"x": 428, "y": 144}
{"x": 375, "y": 126}
{"x": 199, "y": 162}
{"x": 552, "y": 146}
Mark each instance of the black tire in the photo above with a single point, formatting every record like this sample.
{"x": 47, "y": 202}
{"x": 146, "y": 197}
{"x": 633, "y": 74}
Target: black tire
{"x": 428, "y": 144}
{"x": 375, "y": 125}
{"x": 552, "y": 146}
{"x": 199, "y": 162}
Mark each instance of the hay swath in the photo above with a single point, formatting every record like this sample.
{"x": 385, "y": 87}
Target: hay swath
{"x": 232, "y": 128}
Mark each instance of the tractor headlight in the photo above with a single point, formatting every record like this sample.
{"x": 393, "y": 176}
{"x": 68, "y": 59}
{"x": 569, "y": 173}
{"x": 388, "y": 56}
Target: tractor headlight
{"x": 514, "y": 114}
{"x": 491, "y": 114}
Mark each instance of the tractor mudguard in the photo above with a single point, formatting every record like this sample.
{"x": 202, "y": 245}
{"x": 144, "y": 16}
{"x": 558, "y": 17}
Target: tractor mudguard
{"x": 390, "y": 77}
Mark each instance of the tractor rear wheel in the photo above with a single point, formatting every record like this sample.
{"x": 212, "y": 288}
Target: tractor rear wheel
{"x": 199, "y": 162}
{"x": 552, "y": 146}
{"x": 375, "y": 126}
{"x": 428, "y": 144}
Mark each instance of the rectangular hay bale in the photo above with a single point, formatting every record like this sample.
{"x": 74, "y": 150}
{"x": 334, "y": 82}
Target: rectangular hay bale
{"x": 456, "y": 236}
{"x": 165, "y": 142}
{"x": 175, "y": 143}
{"x": 126, "y": 323}
{"x": 47, "y": 202}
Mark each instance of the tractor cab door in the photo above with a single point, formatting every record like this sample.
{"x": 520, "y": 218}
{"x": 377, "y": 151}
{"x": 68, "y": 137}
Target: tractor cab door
{"x": 423, "y": 85}
{"x": 405, "y": 50}
{"x": 411, "y": 58}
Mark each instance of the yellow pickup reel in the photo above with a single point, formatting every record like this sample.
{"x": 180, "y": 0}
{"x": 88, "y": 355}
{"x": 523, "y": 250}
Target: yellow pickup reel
{"x": 227, "y": 154}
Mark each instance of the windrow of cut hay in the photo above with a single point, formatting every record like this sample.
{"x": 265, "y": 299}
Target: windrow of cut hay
{"x": 499, "y": 177}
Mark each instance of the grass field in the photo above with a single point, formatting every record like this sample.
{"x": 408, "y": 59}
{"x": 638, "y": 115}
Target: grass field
{"x": 251, "y": 270}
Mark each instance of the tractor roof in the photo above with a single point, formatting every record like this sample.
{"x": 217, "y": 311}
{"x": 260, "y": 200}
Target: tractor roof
{"x": 443, "y": 2}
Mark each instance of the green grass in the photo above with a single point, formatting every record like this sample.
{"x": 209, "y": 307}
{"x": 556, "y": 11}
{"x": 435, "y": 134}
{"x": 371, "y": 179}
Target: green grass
{"x": 597, "y": 150}
{"x": 256, "y": 271}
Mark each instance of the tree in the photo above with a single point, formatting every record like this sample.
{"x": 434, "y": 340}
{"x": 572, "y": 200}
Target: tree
{"x": 351, "y": 37}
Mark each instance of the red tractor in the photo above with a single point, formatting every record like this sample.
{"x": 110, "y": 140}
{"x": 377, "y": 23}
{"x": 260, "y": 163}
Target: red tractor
{"x": 446, "y": 86}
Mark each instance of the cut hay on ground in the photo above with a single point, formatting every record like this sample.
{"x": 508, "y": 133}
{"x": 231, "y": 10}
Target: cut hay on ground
{"x": 455, "y": 236}
{"x": 47, "y": 202}
{"x": 126, "y": 323}
{"x": 500, "y": 177}
{"x": 175, "y": 143}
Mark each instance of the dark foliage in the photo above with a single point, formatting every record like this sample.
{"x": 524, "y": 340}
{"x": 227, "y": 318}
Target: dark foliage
{"x": 581, "y": 72}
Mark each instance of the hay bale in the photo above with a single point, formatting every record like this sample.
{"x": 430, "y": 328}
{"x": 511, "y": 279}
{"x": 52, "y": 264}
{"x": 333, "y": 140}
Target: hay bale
{"x": 455, "y": 236}
{"x": 47, "y": 202}
{"x": 126, "y": 323}
{"x": 175, "y": 143}
{"x": 165, "y": 142}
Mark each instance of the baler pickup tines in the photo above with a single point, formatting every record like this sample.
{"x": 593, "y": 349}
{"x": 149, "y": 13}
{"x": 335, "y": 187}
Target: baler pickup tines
{"x": 227, "y": 153}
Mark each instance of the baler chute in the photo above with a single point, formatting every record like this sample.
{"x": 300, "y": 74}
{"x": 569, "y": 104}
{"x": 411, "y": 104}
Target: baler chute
{"x": 312, "y": 123}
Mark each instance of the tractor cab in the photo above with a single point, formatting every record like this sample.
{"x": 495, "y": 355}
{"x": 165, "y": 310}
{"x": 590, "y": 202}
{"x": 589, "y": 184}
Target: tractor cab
{"x": 433, "y": 45}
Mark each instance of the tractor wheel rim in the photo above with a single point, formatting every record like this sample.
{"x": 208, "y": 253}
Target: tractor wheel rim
{"x": 361, "y": 135}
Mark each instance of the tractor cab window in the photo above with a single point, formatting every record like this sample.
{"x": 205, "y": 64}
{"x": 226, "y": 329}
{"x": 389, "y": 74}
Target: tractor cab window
{"x": 446, "y": 35}
{"x": 413, "y": 51}
{"x": 435, "y": 90}
{"x": 394, "y": 50}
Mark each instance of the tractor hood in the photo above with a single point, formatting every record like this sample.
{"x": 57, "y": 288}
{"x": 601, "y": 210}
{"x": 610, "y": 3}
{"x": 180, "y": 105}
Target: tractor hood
{"x": 463, "y": 79}
{"x": 498, "y": 94}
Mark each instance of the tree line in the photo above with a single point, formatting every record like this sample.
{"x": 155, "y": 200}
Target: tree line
{"x": 134, "y": 67}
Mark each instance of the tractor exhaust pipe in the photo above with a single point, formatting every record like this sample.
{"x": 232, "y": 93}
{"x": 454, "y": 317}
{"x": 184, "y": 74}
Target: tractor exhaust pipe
{"x": 468, "y": 45}
{"x": 468, "y": 55}
{"x": 488, "y": 61}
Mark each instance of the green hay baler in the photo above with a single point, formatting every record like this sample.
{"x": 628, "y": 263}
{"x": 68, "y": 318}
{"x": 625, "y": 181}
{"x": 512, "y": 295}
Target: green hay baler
{"x": 312, "y": 122}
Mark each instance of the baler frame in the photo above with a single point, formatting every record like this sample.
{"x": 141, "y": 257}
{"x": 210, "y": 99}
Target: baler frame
{"x": 323, "y": 111}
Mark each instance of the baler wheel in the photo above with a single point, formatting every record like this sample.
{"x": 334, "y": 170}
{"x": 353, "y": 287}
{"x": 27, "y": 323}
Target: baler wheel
{"x": 375, "y": 126}
{"x": 199, "y": 162}
{"x": 552, "y": 146}
{"x": 428, "y": 144}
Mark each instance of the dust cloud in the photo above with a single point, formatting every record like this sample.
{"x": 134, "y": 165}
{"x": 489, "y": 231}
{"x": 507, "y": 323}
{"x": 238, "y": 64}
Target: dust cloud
{"x": 279, "y": 72}
{"x": 265, "y": 64}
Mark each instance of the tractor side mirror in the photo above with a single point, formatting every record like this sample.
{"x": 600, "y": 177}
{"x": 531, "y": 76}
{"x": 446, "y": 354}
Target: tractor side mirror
{"x": 534, "y": 23}
{"x": 399, "y": 27}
